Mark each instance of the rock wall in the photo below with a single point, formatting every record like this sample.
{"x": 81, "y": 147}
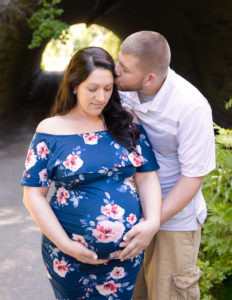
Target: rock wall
{"x": 17, "y": 63}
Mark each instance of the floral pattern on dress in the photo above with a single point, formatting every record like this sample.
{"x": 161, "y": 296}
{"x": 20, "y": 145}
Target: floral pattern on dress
{"x": 113, "y": 211}
{"x": 109, "y": 226}
{"x": 131, "y": 219}
{"x": 128, "y": 184}
{"x": 73, "y": 162}
{"x": 66, "y": 197}
{"x": 76, "y": 180}
{"x": 62, "y": 195}
{"x": 61, "y": 267}
{"x": 112, "y": 174}
{"x": 88, "y": 284}
{"x": 30, "y": 159}
{"x": 96, "y": 202}
{"x": 91, "y": 138}
{"x": 107, "y": 231}
{"x": 43, "y": 174}
{"x": 42, "y": 150}
{"x": 80, "y": 239}
{"x": 112, "y": 287}
{"x": 108, "y": 288}
{"x": 117, "y": 273}
{"x": 121, "y": 153}
{"x": 136, "y": 158}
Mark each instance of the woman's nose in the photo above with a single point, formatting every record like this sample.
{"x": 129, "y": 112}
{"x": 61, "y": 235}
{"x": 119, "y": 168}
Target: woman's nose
{"x": 100, "y": 96}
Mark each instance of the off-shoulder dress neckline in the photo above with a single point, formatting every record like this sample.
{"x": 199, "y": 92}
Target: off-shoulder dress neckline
{"x": 74, "y": 134}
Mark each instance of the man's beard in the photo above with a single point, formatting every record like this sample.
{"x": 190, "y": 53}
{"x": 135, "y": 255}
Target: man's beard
{"x": 127, "y": 88}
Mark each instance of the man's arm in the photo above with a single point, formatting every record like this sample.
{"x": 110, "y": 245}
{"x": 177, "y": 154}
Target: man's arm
{"x": 179, "y": 196}
{"x": 196, "y": 152}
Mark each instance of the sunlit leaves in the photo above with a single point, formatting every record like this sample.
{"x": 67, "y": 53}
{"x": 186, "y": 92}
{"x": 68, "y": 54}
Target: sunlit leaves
{"x": 228, "y": 104}
{"x": 57, "y": 55}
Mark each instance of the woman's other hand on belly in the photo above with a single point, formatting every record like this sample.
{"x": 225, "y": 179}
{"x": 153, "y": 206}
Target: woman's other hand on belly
{"x": 82, "y": 254}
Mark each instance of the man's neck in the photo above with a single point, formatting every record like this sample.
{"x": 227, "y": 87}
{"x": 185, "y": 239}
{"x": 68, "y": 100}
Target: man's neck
{"x": 153, "y": 89}
{"x": 143, "y": 98}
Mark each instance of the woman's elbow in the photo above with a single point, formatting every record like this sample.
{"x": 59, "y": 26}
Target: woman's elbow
{"x": 26, "y": 196}
{"x": 25, "y": 200}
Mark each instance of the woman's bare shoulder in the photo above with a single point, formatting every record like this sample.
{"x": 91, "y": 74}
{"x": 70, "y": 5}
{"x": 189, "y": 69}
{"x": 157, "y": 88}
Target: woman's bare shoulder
{"x": 50, "y": 125}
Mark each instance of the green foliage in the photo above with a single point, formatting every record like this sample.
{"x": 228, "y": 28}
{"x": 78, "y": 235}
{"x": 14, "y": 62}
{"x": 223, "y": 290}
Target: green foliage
{"x": 228, "y": 104}
{"x": 109, "y": 41}
{"x": 215, "y": 256}
{"x": 224, "y": 136}
{"x": 45, "y": 24}
{"x": 112, "y": 44}
{"x": 88, "y": 36}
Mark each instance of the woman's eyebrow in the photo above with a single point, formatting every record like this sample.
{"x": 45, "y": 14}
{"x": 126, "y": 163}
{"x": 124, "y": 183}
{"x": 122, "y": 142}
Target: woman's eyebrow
{"x": 92, "y": 83}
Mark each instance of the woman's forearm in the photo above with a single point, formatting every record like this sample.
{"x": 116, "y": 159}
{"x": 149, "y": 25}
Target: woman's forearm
{"x": 45, "y": 218}
{"x": 38, "y": 206}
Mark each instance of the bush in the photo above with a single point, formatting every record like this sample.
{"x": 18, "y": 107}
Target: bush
{"x": 215, "y": 255}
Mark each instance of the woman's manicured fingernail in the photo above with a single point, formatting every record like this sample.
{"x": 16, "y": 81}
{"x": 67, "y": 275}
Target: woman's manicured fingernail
{"x": 125, "y": 238}
{"x": 95, "y": 256}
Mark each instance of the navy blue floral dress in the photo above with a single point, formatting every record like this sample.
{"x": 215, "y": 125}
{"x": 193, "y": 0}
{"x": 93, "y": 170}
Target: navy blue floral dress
{"x": 96, "y": 202}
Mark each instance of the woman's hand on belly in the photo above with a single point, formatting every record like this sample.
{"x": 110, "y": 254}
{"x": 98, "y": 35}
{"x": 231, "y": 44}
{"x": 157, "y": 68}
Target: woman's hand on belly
{"x": 82, "y": 254}
{"x": 137, "y": 239}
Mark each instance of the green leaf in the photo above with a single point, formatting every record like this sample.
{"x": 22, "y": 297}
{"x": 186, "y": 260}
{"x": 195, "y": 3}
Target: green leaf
{"x": 45, "y": 25}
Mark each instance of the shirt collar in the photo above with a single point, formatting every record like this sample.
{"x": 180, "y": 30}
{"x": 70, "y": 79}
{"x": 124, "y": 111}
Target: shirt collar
{"x": 156, "y": 103}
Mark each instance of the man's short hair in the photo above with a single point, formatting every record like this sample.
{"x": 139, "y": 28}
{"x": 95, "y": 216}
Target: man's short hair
{"x": 152, "y": 50}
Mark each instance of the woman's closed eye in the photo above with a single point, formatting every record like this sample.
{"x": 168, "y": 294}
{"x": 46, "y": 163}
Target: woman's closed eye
{"x": 109, "y": 89}
{"x": 91, "y": 90}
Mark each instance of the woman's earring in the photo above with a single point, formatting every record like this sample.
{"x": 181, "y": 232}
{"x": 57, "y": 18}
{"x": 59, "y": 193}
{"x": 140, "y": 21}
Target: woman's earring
{"x": 74, "y": 92}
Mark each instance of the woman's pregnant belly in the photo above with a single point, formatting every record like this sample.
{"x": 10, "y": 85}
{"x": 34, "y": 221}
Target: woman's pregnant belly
{"x": 97, "y": 219}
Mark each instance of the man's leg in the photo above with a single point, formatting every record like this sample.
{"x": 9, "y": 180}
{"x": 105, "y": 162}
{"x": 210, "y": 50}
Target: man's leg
{"x": 170, "y": 267}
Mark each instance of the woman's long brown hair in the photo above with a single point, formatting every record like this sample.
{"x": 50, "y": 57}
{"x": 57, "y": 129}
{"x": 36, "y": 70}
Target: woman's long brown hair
{"x": 117, "y": 120}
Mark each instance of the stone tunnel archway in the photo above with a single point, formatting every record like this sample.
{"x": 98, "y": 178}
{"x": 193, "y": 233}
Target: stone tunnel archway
{"x": 199, "y": 33}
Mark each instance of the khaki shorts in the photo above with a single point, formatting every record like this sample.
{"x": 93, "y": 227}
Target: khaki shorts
{"x": 169, "y": 270}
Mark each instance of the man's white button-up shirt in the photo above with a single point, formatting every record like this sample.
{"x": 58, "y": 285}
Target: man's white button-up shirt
{"x": 178, "y": 121}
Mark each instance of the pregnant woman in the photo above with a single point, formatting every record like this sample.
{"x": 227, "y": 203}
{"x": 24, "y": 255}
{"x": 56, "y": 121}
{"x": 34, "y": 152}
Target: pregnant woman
{"x": 106, "y": 187}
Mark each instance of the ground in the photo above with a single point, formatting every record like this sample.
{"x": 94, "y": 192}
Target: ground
{"x": 22, "y": 275}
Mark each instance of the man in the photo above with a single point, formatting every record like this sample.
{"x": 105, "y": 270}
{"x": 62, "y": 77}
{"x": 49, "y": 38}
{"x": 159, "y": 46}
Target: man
{"x": 178, "y": 121}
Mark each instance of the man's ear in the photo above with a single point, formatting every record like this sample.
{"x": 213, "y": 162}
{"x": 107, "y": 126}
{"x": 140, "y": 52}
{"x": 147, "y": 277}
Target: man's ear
{"x": 149, "y": 80}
